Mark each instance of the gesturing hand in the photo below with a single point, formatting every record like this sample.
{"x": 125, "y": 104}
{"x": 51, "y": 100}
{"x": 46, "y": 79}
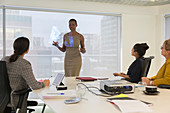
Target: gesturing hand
{"x": 46, "y": 82}
{"x": 82, "y": 50}
{"x": 116, "y": 74}
{"x": 55, "y": 43}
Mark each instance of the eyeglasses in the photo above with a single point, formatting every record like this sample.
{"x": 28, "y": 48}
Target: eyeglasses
{"x": 164, "y": 48}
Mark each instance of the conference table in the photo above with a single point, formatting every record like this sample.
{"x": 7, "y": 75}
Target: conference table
{"x": 97, "y": 104}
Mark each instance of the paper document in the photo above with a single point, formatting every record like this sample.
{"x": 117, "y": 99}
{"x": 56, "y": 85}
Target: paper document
{"x": 59, "y": 94}
{"x": 121, "y": 95}
{"x": 131, "y": 106}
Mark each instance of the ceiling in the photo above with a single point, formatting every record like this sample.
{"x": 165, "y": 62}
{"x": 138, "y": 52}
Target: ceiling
{"x": 133, "y": 2}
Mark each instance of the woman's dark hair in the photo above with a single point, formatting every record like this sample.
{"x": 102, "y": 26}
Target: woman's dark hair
{"x": 141, "y": 48}
{"x": 21, "y": 45}
{"x": 73, "y": 20}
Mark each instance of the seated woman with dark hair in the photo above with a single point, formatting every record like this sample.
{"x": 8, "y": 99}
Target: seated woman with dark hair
{"x": 163, "y": 75}
{"x": 134, "y": 73}
{"x": 20, "y": 72}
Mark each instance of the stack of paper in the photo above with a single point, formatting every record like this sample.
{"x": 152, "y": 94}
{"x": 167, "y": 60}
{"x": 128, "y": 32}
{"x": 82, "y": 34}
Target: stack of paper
{"x": 129, "y": 106}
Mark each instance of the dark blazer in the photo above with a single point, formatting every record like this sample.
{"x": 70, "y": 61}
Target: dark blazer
{"x": 135, "y": 70}
{"x": 21, "y": 77}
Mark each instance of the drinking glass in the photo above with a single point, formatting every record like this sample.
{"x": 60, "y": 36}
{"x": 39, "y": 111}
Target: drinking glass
{"x": 141, "y": 85}
{"x": 80, "y": 90}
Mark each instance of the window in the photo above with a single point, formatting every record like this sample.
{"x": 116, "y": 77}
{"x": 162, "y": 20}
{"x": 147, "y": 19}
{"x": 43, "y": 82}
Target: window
{"x": 1, "y": 35}
{"x": 101, "y": 33}
{"x": 167, "y": 27}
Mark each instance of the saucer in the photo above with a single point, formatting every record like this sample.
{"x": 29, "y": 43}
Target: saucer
{"x": 149, "y": 93}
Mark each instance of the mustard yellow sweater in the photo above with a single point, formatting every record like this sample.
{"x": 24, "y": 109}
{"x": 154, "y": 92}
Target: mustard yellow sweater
{"x": 163, "y": 75}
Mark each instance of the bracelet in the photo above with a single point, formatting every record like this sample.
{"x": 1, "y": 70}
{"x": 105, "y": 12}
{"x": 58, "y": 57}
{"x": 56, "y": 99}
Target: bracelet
{"x": 151, "y": 82}
{"x": 57, "y": 45}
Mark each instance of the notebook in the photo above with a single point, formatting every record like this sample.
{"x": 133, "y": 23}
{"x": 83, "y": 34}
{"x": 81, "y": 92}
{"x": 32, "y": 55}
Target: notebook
{"x": 86, "y": 78}
{"x": 58, "y": 79}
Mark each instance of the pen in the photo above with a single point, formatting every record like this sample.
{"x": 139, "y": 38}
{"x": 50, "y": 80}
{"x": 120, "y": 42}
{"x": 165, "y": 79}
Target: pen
{"x": 49, "y": 77}
{"x": 140, "y": 86}
{"x": 56, "y": 93}
{"x": 103, "y": 78}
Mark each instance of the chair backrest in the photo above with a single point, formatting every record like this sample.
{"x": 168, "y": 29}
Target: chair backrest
{"x": 4, "y": 87}
{"x": 147, "y": 63}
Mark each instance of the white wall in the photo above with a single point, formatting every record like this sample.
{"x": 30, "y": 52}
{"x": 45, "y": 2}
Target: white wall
{"x": 80, "y": 6}
{"x": 138, "y": 29}
{"x": 139, "y": 24}
{"x": 163, "y": 10}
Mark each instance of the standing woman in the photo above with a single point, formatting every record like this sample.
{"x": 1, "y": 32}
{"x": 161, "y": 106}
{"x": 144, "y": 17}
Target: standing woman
{"x": 20, "y": 72}
{"x": 163, "y": 75}
{"x": 134, "y": 73}
{"x": 73, "y": 44}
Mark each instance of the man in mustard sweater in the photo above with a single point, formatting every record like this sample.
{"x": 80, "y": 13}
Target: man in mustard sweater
{"x": 163, "y": 75}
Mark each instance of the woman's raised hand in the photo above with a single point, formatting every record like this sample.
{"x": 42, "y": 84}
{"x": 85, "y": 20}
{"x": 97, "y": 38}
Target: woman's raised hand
{"x": 55, "y": 43}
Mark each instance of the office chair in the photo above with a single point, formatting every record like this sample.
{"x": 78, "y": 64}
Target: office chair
{"x": 5, "y": 92}
{"x": 147, "y": 63}
{"x": 4, "y": 86}
{"x": 146, "y": 67}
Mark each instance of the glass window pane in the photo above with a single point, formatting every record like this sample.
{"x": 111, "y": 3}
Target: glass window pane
{"x": 101, "y": 33}
{"x": 1, "y": 35}
{"x": 167, "y": 27}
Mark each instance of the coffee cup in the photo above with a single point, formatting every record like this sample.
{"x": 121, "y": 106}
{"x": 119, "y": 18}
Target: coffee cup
{"x": 151, "y": 89}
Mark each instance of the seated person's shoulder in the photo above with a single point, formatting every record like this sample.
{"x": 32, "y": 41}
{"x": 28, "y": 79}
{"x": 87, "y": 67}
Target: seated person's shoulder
{"x": 140, "y": 60}
{"x": 168, "y": 61}
{"x": 6, "y": 59}
{"x": 22, "y": 62}
{"x": 25, "y": 62}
